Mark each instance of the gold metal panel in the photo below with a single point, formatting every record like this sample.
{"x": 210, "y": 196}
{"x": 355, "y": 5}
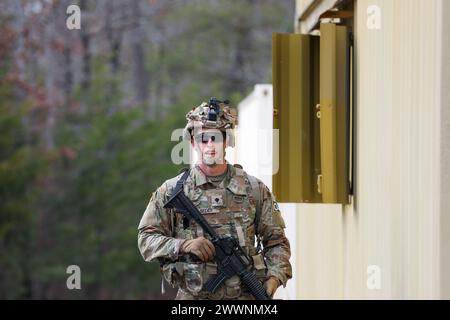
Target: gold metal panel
{"x": 334, "y": 113}
{"x": 295, "y": 90}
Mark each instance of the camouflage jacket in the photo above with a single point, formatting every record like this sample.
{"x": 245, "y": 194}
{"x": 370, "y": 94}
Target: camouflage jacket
{"x": 230, "y": 208}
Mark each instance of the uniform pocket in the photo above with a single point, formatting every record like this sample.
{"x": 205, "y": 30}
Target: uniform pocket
{"x": 210, "y": 271}
{"x": 193, "y": 278}
{"x": 172, "y": 273}
{"x": 259, "y": 265}
{"x": 233, "y": 287}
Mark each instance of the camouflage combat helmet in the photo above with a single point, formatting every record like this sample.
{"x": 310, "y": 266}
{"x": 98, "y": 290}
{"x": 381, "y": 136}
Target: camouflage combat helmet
{"x": 215, "y": 115}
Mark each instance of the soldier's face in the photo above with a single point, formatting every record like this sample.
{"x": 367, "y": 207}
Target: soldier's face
{"x": 210, "y": 145}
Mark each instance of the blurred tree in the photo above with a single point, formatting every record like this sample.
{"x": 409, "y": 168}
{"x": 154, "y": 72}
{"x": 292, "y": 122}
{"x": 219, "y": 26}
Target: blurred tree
{"x": 18, "y": 170}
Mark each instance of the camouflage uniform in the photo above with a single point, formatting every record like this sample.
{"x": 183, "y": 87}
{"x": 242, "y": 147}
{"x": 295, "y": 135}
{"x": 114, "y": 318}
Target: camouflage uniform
{"x": 230, "y": 208}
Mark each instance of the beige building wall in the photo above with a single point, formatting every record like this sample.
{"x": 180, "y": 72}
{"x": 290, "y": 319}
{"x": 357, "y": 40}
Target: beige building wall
{"x": 399, "y": 217}
{"x": 445, "y": 154}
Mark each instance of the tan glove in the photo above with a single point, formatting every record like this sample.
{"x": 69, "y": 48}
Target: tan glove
{"x": 201, "y": 247}
{"x": 271, "y": 285}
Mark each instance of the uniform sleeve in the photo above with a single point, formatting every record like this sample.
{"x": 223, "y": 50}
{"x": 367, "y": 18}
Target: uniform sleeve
{"x": 155, "y": 230}
{"x": 276, "y": 247}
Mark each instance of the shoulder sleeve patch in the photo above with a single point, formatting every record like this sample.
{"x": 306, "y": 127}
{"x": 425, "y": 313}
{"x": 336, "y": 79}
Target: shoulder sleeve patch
{"x": 275, "y": 205}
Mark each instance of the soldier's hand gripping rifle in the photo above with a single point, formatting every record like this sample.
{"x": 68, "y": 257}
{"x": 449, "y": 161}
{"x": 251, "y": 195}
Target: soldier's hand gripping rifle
{"x": 230, "y": 257}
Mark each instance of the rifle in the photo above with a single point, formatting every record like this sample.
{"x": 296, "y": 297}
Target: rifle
{"x": 230, "y": 257}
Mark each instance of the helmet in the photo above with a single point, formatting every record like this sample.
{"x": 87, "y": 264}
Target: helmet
{"x": 215, "y": 115}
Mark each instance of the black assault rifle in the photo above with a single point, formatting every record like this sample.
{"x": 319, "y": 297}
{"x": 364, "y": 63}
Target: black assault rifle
{"x": 230, "y": 257}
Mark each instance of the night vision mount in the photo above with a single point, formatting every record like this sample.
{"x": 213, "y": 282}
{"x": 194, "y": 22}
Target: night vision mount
{"x": 214, "y": 108}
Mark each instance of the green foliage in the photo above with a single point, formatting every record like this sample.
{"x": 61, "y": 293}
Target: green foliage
{"x": 117, "y": 165}
{"x": 18, "y": 169}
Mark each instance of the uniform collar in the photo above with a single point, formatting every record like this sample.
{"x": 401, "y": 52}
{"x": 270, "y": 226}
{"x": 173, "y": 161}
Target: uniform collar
{"x": 233, "y": 182}
{"x": 200, "y": 178}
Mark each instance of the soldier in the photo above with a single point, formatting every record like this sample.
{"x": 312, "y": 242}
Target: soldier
{"x": 232, "y": 201}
